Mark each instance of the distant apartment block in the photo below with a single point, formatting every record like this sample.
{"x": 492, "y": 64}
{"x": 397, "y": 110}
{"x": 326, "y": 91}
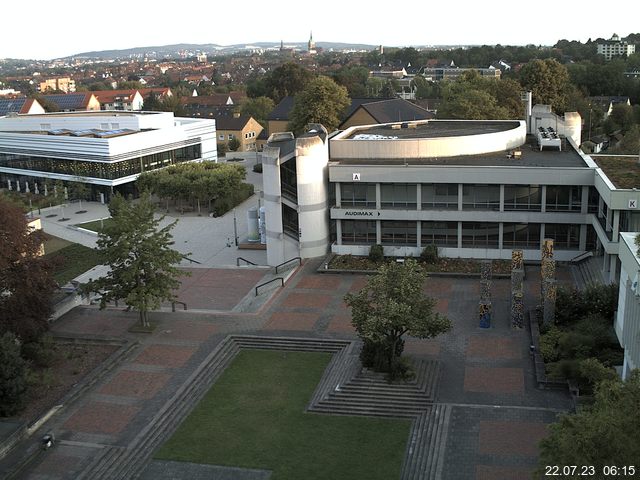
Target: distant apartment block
{"x": 64, "y": 84}
{"x": 437, "y": 74}
{"x": 614, "y": 47}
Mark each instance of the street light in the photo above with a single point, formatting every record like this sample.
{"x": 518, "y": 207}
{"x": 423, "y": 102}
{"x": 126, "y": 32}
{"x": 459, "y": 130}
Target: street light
{"x": 235, "y": 227}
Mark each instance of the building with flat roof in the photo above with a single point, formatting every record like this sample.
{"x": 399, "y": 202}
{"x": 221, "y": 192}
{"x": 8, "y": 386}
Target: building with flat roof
{"x": 106, "y": 150}
{"x": 615, "y": 47}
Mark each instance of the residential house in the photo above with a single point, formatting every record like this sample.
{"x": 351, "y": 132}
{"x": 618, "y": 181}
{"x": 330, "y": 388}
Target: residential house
{"x": 64, "y": 84}
{"x": 127, "y": 100}
{"x": 242, "y": 127}
{"x": 384, "y": 111}
{"x": 74, "y": 102}
{"x": 615, "y": 47}
{"x": 22, "y": 105}
{"x": 606, "y": 103}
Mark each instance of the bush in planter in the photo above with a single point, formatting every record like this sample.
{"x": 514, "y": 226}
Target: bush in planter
{"x": 257, "y": 168}
{"x": 376, "y": 253}
{"x": 13, "y": 375}
{"x": 429, "y": 254}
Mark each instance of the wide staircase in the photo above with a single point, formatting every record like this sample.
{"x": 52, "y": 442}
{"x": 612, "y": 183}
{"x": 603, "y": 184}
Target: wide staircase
{"x": 588, "y": 272}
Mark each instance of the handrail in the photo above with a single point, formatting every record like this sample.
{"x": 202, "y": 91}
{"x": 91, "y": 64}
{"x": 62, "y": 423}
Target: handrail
{"x": 578, "y": 258}
{"x": 191, "y": 260}
{"x": 173, "y": 305}
{"x": 270, "y": 281}
{"x": 290, "y": 260}
{"x": 244, "y": 260}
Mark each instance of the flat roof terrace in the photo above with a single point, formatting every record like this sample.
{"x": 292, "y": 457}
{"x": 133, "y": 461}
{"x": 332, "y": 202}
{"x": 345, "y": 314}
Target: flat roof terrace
{"x": 622, "y": 170}
{"x": 432, "y": 129}
{"x": 530, "y": 156}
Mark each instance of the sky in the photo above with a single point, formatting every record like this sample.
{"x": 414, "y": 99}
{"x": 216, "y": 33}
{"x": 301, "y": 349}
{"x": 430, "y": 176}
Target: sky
{"x": 53, "y": 31}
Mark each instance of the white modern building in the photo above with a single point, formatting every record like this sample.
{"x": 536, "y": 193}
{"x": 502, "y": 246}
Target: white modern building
{"x": 105, "y": 149}
{"x": 614, "y": 47}
{"x": 627, "y": 322}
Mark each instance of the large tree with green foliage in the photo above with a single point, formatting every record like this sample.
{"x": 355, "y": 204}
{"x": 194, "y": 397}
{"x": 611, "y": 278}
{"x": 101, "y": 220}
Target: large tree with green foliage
{"x": 288, "y": 79}
{"x": 259, "y": 108}
{"x": 602, "y": 435}
{"x": 549, "y": 82}
{"x": 322, "y": 101}
{"x": 392, "y": 304}
{"x": 13, "y": 372}
{"x": 26, "y": 284}
{"x": 138, "y": 251}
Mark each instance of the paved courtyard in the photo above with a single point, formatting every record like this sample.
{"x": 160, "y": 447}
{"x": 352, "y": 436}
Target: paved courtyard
{"x": 497, "y": 413}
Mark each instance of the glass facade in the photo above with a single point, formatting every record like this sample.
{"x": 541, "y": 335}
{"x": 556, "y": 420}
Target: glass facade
{"x": 356, "y": 232}
{"x": 358, "y": 195}
{"x": 440, "y": 196}
{"x": 521, "y": 235}
{"x": 106, "y": 170}
{"x": 442, "y": 234}
{"x": 398, "y": 195}
{"x": 480, "y": 234}
{"x": 481, "y": 197}
{"x": 289, "y": 179}
{"x": 565, "y": 237}
{"x": 561, "y": 198}
{"x": 399, "y": 232}
{"x": 522, "y": 198}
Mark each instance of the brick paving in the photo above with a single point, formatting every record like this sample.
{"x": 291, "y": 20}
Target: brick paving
{"x": 494, "y": 380}
{"x": 497, "y": 418}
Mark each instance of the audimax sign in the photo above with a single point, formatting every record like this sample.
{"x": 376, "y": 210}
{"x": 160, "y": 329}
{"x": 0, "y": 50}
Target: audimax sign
{"x": 361, "y": 213}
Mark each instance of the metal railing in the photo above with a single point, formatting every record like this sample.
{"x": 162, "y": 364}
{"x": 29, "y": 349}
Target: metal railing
{"x": 249, "y": 262}
{"x": 173, "y": 305}
{"x": 289, "y": 261}
{"x": 582, "y": 256}
{"x": 191, "y": 260}
{"x": 270, "y": 281}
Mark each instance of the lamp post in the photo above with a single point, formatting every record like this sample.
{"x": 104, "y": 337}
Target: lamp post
{"x": 235, "y": 227}
{"x": 589, "y": 122}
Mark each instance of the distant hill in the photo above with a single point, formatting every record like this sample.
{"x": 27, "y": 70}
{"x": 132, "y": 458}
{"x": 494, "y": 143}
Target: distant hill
{"x": 172, "y": 50}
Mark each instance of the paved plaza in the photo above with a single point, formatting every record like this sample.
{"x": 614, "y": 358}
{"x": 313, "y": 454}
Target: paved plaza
{"x": 497, "y": 413}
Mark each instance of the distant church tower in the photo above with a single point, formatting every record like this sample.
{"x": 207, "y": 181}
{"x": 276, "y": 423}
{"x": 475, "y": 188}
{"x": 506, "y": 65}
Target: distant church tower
{"x": 311, "y": 45}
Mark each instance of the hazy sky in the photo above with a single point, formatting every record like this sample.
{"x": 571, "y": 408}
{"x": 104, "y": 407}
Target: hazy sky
{"x": 46, "y": 30}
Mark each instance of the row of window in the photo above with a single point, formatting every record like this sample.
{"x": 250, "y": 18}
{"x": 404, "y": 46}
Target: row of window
{"x": 107, "y": 170}
{"x": 445, "y": 234}
{"x": 474, "y": 197}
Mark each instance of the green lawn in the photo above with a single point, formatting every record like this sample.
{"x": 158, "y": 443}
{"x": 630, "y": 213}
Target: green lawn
{"x": 254, "y": 417}
{"x": 94, "y": 226}
{"x": 70, "y": 260}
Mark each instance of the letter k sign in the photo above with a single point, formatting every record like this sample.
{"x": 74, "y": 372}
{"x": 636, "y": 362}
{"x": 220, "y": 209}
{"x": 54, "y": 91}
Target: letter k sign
{"x": 633, "y": 203}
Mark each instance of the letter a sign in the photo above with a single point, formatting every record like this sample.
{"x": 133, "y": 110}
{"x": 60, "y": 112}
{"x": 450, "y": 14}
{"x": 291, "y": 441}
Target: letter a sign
{"x": 356, "y": 177}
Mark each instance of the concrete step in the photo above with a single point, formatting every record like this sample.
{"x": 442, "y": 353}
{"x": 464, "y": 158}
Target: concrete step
{"x": 366, "y": 411}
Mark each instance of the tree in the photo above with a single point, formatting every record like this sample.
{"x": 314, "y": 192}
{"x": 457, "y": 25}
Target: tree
{"x": 354, "y": 79}
{"x": 287, "y": 79}
{"x": 234, "y": 144}
{"x": 548, "y": 80}
{"x": 323, "y": 101}
{"x": 602, "y": 435}
{"x": 13, "y": 373}
{"x": 391, "y": 305}
{"x": 389, "y": 89}
{"x": 142, "y": 263}
{"x": 258, "y": 108}
{"x": 26, "y": 284}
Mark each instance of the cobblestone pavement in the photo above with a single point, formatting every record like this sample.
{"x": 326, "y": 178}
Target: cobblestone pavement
{"x": 498, "y": 414}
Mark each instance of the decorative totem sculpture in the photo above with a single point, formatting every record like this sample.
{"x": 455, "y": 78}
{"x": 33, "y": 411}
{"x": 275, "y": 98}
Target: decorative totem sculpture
{"x": 517, "y": 289}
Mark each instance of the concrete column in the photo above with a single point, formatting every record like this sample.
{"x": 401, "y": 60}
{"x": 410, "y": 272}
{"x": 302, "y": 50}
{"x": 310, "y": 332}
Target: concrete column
{"x": 613, "y": 270}
{"x": 419, "y": 233}
{"x": 419, "y": 199}
{"x": 583, "y": 237}
{"x": 584, "y": 204}
{"x": 542, "y": 235}
{"x": 460, "y": 190}
{"x": 500, "y": 233}
{"x": 271, "y": 187}
{"x": 543, "y": 199}
{"x": 609, "y": 220}
{"x": 616, "y": 225}
{"x": 501, "y": 206}
{"x": 378, "y": 197}
{"x": 459, "y": 234}
{"x": 338, "y": 195}
{"x": 378, "y": 232}
{"x": 339, "y": 232}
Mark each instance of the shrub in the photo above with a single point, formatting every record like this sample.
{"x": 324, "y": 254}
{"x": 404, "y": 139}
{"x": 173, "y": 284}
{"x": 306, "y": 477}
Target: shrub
{"x": 257, "y": 168}
{"x": 549, "y": 344}
{"x": 41, "y": 353}
{"x": 13, "y": 372}
{"x": 573, "y": 304}
{"x": 429, "y": 254}
{"x": 376, "y": 253}
{"x": 576, "y": 345}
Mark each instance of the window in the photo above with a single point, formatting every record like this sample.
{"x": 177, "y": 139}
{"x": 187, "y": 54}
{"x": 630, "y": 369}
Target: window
{"x": 358, "y": 232}
{"x": 565, "y": 237}
{"x": 221, "y": 136}
{"x": 440, "y": 196}
{"x": 521, "y": 235}
{"x": 231, "y": 136}
{"x": 442, "y": 234}
{"x": 480, "y": 235}
{"x": 358, "y": 195}
{"x": 561, "y": 198}
{"x": 399, "y": 232}
{"x": 481, "y": 197}
{"x": 522, "y": 197}
{"x": 398, "y": 195}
